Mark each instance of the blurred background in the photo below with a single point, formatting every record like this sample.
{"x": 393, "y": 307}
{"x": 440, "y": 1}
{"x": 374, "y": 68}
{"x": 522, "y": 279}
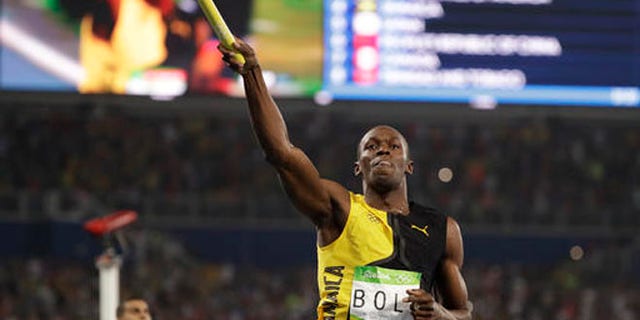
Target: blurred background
{"x": 522, "y": 118}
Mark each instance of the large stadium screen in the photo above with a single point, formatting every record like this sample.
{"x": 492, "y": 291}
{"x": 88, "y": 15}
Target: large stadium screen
{"x": 154, "y": 47}
{"x": 540, "y": 52}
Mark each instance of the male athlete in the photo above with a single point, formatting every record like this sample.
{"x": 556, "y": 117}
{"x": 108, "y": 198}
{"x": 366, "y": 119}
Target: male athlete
{"x": 379, "y": 228}
{"x": 133, "y": 309}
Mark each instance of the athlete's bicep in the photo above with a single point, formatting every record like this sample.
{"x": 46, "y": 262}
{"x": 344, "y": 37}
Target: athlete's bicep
{"x": 317, "y": 198}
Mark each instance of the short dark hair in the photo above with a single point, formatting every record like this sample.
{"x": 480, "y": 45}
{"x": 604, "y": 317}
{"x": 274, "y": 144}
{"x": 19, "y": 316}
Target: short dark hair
{"x": 402, "y": 138}
{"x": 120, "y": 310}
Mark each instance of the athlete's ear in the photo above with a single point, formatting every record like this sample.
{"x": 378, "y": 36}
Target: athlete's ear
{"x": 356, "y": 169}
{"x": 409, "y": 168}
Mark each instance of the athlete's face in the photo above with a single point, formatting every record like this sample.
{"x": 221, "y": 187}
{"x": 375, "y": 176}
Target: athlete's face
{"x": 383, "y": 158}
{"x": 135, "y": 310}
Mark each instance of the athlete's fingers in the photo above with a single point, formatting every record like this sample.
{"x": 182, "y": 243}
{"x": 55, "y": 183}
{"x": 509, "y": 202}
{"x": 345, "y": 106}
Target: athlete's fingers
{"x": 420, "y": 314}
{"x": 419, "y": 296}
{"x": 243, "y": 63}
{"x": 243, "y": 47}
{"x": 423, "y": 305}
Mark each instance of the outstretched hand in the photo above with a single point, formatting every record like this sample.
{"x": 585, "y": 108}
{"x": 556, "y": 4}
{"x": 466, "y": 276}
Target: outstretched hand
{"x": 423, "y": 305}
{"x": 229, "y": 56}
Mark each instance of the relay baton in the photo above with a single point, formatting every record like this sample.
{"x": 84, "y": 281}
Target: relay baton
{"x": 219, "y": 26}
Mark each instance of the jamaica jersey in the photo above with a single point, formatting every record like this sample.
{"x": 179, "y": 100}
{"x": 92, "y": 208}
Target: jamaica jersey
{"x": 373, "y": 237}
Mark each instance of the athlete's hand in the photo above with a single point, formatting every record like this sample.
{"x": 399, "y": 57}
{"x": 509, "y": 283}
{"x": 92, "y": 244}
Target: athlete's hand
{"x": 424, "y": 306}
{"x": 228, "y": 55}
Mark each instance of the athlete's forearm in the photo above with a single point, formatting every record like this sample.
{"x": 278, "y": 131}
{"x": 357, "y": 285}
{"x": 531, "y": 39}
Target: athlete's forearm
{"x": 457, "y": 314}
{"x": 266, "y": 119}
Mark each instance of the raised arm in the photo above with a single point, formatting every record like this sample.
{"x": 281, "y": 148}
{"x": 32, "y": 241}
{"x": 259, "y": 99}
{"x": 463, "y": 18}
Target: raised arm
{"x": 320, "y": 199}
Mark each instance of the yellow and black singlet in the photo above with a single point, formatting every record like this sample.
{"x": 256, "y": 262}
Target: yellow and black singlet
{"x": 373, "y": 237}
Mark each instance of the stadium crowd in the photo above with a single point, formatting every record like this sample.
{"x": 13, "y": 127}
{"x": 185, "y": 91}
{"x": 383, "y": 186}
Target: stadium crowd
{"x": 554, "y": 172}
{"x": 180, "y": 286}
{"x": 536, "y": 171}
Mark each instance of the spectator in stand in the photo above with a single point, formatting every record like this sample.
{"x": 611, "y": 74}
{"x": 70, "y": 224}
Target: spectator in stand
{"x": 133, "y": 309}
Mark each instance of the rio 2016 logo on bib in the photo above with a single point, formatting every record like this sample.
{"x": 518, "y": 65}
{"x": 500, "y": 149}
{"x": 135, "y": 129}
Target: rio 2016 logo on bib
{"x": 377, "y": 293}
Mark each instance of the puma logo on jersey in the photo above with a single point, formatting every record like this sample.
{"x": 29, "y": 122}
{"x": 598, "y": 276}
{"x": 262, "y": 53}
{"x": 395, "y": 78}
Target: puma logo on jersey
{"x": 423, "y": 230}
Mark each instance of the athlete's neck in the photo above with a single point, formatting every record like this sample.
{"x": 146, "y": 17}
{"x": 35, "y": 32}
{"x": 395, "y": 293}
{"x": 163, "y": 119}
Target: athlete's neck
{"x": 395, "y": 201}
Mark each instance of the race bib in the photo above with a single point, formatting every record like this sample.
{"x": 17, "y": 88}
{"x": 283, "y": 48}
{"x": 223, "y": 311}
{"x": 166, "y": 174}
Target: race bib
{"x": 377, "y": 293}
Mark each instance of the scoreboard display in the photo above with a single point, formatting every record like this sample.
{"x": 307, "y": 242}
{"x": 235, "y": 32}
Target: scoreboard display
{"x": 540, "y": 52}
